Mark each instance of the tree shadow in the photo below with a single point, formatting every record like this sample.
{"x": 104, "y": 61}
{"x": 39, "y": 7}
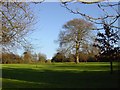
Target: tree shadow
{"x": 36, "y": 78}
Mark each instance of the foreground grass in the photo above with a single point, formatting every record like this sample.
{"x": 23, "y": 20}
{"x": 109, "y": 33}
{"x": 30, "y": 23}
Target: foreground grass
{"x": 59, "y": 75}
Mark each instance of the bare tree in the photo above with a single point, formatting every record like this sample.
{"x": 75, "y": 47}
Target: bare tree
{"x": 74, "y": 35}
{"x": 17, "y": 17}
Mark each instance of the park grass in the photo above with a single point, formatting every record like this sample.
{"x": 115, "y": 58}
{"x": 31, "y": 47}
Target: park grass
{"x": 60, "y": 75}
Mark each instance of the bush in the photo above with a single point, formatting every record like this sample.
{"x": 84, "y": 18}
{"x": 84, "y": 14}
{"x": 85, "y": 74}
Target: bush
{"x": 59, "y": 57}
{"x": 48, "y": 61}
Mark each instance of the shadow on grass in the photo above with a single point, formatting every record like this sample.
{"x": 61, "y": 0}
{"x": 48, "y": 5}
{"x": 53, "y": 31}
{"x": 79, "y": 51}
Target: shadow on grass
{"x": 31, "y": 78}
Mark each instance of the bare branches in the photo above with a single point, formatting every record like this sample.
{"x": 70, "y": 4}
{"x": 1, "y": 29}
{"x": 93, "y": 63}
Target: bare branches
{"x": 16, "y": 18}
{"x": 101, "y": 6}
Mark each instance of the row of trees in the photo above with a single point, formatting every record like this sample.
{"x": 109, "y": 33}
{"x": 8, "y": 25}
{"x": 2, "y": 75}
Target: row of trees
{"x": 27, "y": 57}
{"x": 87, "y": 57}
{"x": 59, "y": 57}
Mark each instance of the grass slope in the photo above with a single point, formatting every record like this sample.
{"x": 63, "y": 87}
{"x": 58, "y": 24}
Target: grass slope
{"x": 59, "y": 75}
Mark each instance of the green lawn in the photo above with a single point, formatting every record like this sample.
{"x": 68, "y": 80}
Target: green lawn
{"x": 59, "y": 75}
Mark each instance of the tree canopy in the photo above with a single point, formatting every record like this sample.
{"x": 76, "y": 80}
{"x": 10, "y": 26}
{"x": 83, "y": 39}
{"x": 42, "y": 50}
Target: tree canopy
{"x": 73, "y": 36}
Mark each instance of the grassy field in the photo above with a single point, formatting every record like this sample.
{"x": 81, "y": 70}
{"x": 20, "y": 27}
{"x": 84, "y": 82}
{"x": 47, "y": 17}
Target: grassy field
{"x": 59, "y": 75}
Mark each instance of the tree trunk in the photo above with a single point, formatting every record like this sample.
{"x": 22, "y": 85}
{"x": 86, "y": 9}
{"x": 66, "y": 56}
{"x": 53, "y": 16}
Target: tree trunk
{"x": 77, "y": 52}
{"x": 77, "y": 58}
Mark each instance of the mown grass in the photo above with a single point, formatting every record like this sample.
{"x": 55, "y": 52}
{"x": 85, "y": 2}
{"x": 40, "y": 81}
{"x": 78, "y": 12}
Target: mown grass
{"x": 60, "y": 75}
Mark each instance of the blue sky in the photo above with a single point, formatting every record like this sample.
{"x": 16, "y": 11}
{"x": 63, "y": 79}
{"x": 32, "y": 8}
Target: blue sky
{"x": 50, "y": 17}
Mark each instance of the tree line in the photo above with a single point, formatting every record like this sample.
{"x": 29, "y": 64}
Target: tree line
{"x": 26, "y": 58}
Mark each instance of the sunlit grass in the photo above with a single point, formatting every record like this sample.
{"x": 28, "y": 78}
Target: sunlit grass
{"x": 91, "y": 66}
